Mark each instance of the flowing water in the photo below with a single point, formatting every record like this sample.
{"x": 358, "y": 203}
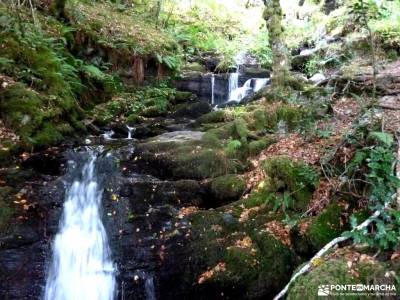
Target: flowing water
{"x": 233, "y": 83}
{"x": 247, "y": 89}
{"x": 130, "y": 131}
{"x": 212, "y": 88}
{"x": 81, "y": 266}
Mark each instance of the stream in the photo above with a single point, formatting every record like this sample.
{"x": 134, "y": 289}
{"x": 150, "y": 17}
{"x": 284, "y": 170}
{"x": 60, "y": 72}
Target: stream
{"x": 81, "y": 265}
{"x": 102, "y": 226}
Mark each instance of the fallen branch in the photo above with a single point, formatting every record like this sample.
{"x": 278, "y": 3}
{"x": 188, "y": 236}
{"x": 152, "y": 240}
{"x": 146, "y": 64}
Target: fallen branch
{"x": 326, "y": 248}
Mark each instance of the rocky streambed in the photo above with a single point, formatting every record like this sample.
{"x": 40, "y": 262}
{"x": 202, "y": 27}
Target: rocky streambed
{"x": 156, "y": 206}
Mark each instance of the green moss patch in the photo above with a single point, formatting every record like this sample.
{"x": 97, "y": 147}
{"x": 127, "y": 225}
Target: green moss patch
{"x": 290, "y": 183}
{"x": 228, "y": 187}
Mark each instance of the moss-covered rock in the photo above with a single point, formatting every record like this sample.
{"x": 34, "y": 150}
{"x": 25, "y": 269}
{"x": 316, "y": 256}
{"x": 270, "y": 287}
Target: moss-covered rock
{"x": 290, "y": 180}
{"x": 337, "y": 270}
{"x": 181, "y": 96}
{"x": 38, "y": 122}
{"x": 255, "y": 147}
{"x": 216, "y": 116}
{"x": 195, "y": 159}
{"x": 228, "y": 187}
{"x": 319, "y": 231}
{"x": 236, "y": 257}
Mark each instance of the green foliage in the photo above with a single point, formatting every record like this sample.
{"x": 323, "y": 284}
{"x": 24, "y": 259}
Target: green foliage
{"x": 382, "y": 183}
{"x": 146, "y": 101}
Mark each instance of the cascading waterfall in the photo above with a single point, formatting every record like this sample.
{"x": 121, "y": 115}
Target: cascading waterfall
{"x": 233, "y": 83}
{"x": 108, "y": 135}
{"x": 212, "y": 88}
{"x": 130, "y": 131}
{"x": 259, "y": 83}
{"x": 81, "y": 266}
{"x": 241, "y": 92}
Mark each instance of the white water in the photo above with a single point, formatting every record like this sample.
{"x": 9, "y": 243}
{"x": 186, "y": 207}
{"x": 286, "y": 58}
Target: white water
{"x": 108, "y": 135}
{"x": 233, "y": 83}
{"x": 212, "y": 88}
{"x": 241, "y": 92}
{"x": 81, "y": 268}
{"x": 130, "y": 131}
{"x": 259, "y": 83}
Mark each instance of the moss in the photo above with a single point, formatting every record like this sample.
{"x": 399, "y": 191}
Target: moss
{"x": 35, "y": 119}
{"x": 113, "y": 29}
{"x": 202, "y": 163}
{"x": 47, "y": 135}
{"x": 212, "y": 117}
{"x": 326, "y": 226}
{"x": 134, "y": 119}
{"x": 255, "y": 263}
{"x": 336, "y": 271}
{"x": 194, "y": 67}
{"x": 319, "y": 231}
{"x": 292, "y": 115}
{"x": 260, "y": 119}
{"x": 295, "y": 179}
{"x": 241, "y": 130}
{"x": 228, "y": 187}
{"x": 192, "y": 159}
{"x": 223, "y": 132}
{"x": 20, "y": 108}
{"x": 255, "y": 147}
{"x": 181, "y": 97}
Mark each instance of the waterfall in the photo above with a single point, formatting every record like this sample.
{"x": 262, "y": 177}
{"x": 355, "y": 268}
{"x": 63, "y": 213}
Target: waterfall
{"x": 149, "y": 288}
{"x": 212, "y": 88}
{"x": 233, "y": 83}
{"x": 259, "y": 83}
{"x": 240, "y": 92}
{"x": 108, "y": 135}
{"x": 130, "y": 131}
{"x": 81, "y": 267}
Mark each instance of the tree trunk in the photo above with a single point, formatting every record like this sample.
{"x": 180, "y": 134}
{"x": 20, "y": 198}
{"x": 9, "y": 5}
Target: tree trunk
{"x": 273, "y": 17}
{"x": 138, "y": 70}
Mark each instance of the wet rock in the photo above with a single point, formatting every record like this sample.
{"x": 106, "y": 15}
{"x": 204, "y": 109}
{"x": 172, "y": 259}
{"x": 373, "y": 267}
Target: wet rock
{"x": 178, "y": 137}
{"x": 49, "y": 162}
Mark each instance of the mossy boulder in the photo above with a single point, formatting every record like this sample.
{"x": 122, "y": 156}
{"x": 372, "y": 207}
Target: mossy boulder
{"x": 236, "y": 257}
{"x": 190, "y": 157}
{"x": 181, "y": 96}
{"x": 216, "y": 116}
{"x": 319, "y": 230}
{"x": 38, "y": 123}
{"x": 228, "y": 187}
{"x": 338, "y": 270}
{"x": 291, "y": 180}
{"x": 255, "y": 147}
